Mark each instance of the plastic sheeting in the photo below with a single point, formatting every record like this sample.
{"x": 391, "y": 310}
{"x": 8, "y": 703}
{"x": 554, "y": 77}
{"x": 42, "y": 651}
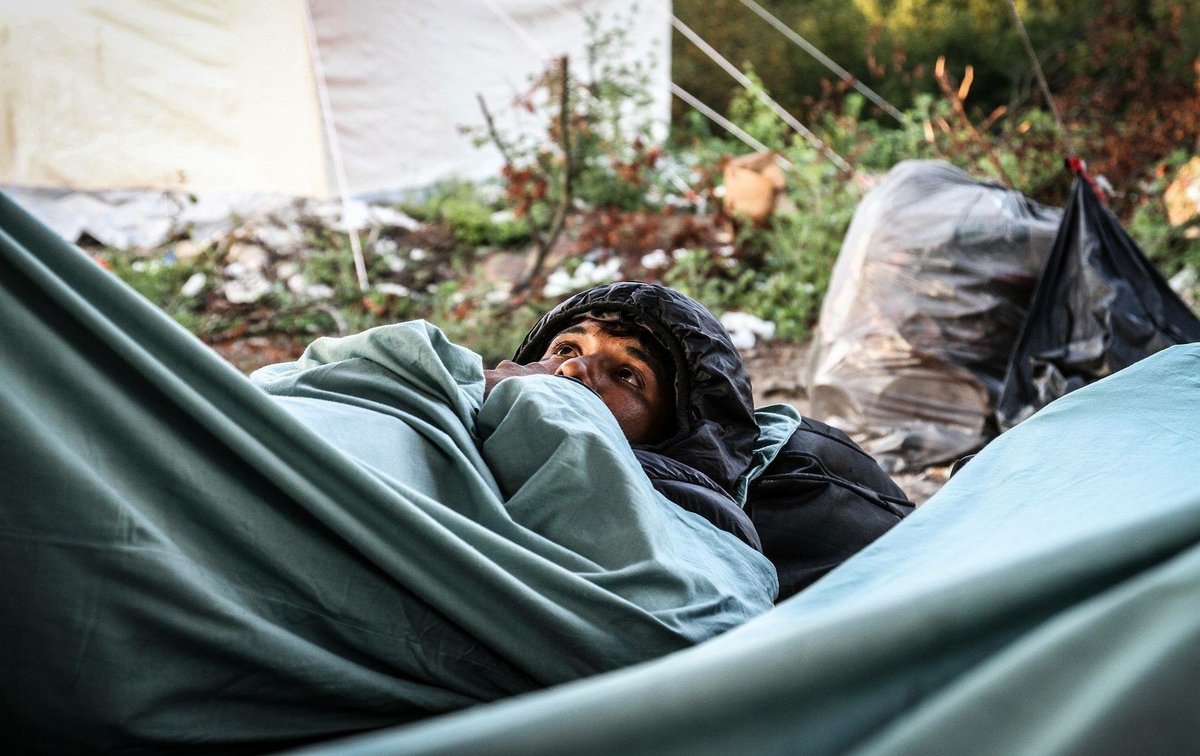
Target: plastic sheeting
{"x": 927, "y": 297}
{"x": 1044, "y": 601}
{"x": 1100, "y": 307}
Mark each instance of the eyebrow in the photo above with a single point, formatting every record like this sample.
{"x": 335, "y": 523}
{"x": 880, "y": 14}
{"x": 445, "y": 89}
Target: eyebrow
{"x": 632, "y": 350}
{"x": 641, "y": 354}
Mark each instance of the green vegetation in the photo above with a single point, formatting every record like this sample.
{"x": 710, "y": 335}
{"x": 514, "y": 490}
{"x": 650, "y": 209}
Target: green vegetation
{"x": 602, "y": 198}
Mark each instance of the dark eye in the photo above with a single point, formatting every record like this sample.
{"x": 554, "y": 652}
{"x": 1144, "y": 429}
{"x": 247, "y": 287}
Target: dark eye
{"x": 562, "y": 350}
{"x": 631, "y": 376}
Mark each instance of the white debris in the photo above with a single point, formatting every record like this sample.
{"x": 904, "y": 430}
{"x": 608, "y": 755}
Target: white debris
{"x": 656, "y": 260}
{"x": 249, "y": 287}
{"x": 392, "y": 289}
{"x": 1183, "y": 283}
{"x": 557, "y": 283}
{"x": 745, "y": 329}
{"x": 498, "y": 295}
{"x": 282, "y": 239}
{"x": 185, "y": 250}
{"x": 299, "y": 287}
{"x": 296, "y": 284}
{"x": 587, "y": 275}
{"x": 417, "y": 254}
{"x": 382, "y": 215}
{"x": 250, "y": 256}
{"x": 319, "y": 291}
{"x": 194, "y": 285}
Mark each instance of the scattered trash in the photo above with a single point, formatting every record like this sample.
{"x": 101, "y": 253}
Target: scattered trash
{"x": 319, "y": 291}
{"x": 754, "y": 186}
{"x": 185, "y": 250}
{"x": 745, "y": 329}
{"x": 392, "y": 289}
{"x": 586, "y": 275}
{"x": 925, "y": 303}
{"x": 249, "y": 256}
{"x": 248, "y": 286}
{"x": 194, "y": 285}
{"x": 296, "y": 284}
{"x": 1184, "y": 283}
{"x": 656, "y": 260}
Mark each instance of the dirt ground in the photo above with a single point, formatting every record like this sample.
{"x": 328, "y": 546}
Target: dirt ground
{"x": 775, "y": 369}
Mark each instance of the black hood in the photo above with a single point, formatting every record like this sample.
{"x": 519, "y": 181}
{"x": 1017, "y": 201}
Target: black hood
{"x": 714, "y": 408}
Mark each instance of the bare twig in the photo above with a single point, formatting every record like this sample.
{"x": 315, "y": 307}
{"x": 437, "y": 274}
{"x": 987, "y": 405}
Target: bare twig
{"x": 535, "y": 233}
{"x": 994, "y": 116}
{"x": 558, "y": 222}
{"x": 956, "y": 101}
{"x": 491, "y": 129}
{"x": 543, "y": 240}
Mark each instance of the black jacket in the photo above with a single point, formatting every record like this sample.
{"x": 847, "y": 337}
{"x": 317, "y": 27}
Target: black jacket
{"x": 698, "y": 466}
{"x": 819, "y": 502}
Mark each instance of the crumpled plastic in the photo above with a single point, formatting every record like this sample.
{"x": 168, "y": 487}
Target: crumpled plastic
{"x": 1100, "y": 306}
{"x": 925, "y": 303}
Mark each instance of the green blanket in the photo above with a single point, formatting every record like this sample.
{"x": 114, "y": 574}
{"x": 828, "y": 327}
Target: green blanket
{"x": 1044, "y": 601}
{"x": 191, "y": 562}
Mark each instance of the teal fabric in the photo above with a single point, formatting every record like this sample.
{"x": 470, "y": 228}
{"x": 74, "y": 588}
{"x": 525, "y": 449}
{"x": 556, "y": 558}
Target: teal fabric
{"x": 194, "y": 562}
{"x": 776, "y": 423}
{"x": 1046, "y": 600}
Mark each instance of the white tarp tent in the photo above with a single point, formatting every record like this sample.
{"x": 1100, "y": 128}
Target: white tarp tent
{"x": 225, "y": 95}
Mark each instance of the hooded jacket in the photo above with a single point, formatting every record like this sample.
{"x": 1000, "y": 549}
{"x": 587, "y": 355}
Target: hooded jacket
{"x": 698, "y": 466}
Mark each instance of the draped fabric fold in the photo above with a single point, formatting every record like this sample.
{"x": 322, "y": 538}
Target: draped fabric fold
{"x": 195, "y": 562}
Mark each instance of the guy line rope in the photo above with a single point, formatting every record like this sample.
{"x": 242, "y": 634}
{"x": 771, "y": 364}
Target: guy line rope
{"x": 824, "y": 59}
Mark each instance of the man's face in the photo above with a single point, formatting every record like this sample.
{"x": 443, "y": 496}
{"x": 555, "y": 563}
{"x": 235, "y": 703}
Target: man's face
{"x": 626, "y": 375}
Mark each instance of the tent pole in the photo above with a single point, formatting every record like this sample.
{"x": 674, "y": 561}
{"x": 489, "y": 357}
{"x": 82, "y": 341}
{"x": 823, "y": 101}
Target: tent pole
{"x": 335, "y": 152}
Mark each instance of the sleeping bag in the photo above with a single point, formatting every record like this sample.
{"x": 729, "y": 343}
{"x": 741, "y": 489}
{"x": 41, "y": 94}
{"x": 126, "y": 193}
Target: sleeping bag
{"x": 196, "y": 562}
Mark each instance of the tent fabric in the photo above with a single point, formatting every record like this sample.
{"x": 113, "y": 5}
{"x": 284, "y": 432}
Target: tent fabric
{"x": 138, "y": 94}
{"x": 1042, "y": 602}
{"x": 220, "y": 96}
{"x": 403, "y": 77}
{"x": 193, "y": 562}
{"x": 1100, "y": 305}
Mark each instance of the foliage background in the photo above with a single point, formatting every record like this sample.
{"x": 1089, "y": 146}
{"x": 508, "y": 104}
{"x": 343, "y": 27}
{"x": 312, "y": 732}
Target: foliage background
{"x": 1125, "y": 74}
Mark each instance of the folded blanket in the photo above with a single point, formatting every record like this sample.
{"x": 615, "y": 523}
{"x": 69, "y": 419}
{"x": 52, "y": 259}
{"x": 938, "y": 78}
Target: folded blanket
{"x": 193, "y": 563}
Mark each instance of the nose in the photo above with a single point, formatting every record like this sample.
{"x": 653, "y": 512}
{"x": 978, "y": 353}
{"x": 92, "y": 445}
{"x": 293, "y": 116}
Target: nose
{"x": 581, "y": 368}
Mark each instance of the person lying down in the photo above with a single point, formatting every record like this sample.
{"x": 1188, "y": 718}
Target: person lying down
{"x": 538, "y": 490}
{"x": 198, "y": 561}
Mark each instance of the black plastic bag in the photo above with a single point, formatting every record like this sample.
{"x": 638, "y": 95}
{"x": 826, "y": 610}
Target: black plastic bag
{"x": 1099, "y": 306}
